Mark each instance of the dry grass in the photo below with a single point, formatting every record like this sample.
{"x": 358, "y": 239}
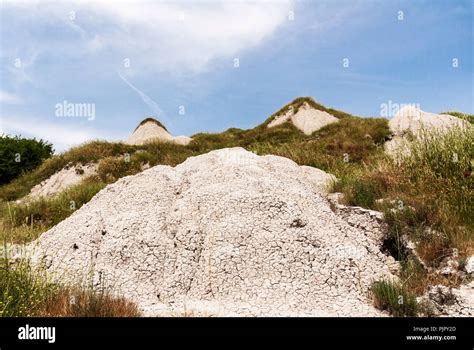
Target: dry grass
{"x": 23, "y": 222}
{"x": 415, "y": 278}
{"x": 28, "y": 292}
{"x": 76, "y": 302}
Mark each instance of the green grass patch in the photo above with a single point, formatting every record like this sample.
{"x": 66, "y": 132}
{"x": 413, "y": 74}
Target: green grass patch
{"x": 394, "y": 298}
{"x": 27, "y": 219}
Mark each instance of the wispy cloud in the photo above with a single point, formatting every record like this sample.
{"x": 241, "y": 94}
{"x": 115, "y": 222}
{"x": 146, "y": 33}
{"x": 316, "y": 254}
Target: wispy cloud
{"x": 9, "y": 98}
{"x": 178, "y": 35}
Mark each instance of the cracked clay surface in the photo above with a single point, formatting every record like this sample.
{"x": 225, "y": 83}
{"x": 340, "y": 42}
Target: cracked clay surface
{"x": 227, "y": 233}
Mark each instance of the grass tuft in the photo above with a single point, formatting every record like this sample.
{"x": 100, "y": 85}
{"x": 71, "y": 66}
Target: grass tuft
{"x": 394, "y": 298}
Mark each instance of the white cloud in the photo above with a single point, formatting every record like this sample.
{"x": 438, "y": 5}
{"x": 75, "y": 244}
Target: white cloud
{"x": 182, "y": 35}
{"x": 9, "y": 98}
{"x": 62, "y": 136}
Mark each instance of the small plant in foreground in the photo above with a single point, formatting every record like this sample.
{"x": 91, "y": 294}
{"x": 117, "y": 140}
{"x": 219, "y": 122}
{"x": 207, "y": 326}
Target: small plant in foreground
{"x": 394, "y": 298}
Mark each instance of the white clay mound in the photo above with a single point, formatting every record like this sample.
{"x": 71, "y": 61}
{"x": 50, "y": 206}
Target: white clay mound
{"x": 151, "y": 130}
{"x": 226, "y": 233}
{"x": 414, "y": 121}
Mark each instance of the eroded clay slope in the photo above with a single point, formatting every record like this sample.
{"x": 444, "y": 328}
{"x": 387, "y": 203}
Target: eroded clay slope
{"x": 224, "y": 233}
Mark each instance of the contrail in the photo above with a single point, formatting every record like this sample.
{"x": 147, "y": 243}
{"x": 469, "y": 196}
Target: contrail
{"x": 148, "y": 101}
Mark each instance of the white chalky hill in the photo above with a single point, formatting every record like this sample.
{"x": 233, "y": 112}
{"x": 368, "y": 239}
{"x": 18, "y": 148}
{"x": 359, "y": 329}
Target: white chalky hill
{"x": 224, "y": 233}
{"x": 150, "y": 130}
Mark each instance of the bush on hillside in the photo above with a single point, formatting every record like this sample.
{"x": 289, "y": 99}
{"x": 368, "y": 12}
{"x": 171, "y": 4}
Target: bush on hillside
{"x": 19, "y": 155}
{"x": 394, "y": 298}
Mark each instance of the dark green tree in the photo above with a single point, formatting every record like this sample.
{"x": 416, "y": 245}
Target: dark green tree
{"x": 19, "y": 155}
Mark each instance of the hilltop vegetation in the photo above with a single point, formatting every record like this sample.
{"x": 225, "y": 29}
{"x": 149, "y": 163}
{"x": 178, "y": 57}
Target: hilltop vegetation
{"x": 357, "y": 137}
{"x": 461, "y": 115}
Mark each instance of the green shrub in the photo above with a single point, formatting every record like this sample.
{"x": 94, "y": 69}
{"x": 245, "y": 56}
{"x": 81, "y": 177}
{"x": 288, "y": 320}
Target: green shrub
{"x": 394, "y": 298}
{"x": 19, "y": 155}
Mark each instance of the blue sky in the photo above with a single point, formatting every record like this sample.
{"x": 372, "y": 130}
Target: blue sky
{"x": 133, "y": 59}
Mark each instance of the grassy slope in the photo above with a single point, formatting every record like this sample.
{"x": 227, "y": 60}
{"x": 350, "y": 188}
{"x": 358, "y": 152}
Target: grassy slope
{"x": 429, "y": 198}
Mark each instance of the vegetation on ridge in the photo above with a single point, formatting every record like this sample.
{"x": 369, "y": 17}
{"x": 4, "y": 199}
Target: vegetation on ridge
{"x": 299, "y": 102}
{"x": 461, "y": 115}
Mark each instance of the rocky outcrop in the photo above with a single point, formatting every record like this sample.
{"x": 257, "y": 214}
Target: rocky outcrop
{"x": 411, "y": 122}
{"x": 445, "y": 301}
